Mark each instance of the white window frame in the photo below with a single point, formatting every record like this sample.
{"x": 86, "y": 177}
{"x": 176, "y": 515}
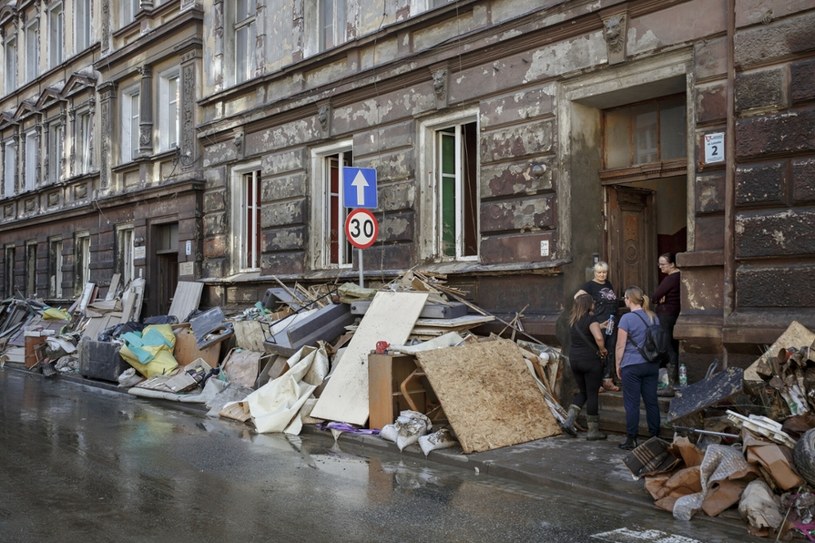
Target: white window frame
{"x": 129, "y": 10}
{"x": 32, "y": 49}
{"x": 131, "y": 117}
{"x": 242, "y": 235}
{"x": 244, "y": 62}
{"x": 9, "y": 168}
{"x": 82, "y": 25}
{"x": 431, "y": 205}
{"x": 420, "y": 6}
{"x": 332, "y": 24}
{"x": 55, "y": 262}
{"x": 31, "y": 269}
{"x": 56, "y": 34}
{"x": 321, "y": 208}
{"x": 56, "y": 151}
{"x": 125, "y": 247}
{"x": 83, "y": 138}
{"x": 32, "y": 159}
{"x": 82, "y": 253}
{"x": 10, "y": 62}
{"x": 169, "y": 109}
{"x": 10, "y": 255}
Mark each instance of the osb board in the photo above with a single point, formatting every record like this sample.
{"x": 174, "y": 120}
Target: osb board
{"x": 390, "y": 318}
{"x": 796, "y": 335}
{"x": 490, "y": 398}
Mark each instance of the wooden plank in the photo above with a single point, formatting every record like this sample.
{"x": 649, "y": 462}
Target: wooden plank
{"x": 490, "y": 398}
{"x": 467, "y": 321}
{"x": 390, "y": 318}
{"x": 114, "y": 286}
{"x": 186, "y": 299}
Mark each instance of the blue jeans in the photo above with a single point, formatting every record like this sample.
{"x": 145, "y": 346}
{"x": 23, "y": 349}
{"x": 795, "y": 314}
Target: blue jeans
{"x": 640, "y": 381}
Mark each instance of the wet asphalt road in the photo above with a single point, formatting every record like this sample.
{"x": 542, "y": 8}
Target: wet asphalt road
{"x": 80, "y": 463}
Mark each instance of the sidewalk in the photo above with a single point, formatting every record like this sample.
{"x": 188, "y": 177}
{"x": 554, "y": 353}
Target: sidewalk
{"x": 560, "y": 462}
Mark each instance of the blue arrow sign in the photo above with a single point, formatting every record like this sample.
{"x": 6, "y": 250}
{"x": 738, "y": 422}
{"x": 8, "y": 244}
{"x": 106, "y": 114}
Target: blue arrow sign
{"x": 359, "y": 187}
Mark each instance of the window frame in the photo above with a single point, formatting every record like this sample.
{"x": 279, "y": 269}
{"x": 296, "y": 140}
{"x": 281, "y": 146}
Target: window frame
{"x": 82, "y": 257}
{"x": 9, "y": 168}
{"x": 244, "y": 72}
{"x": 125, "y": 250}
{"x": 336, "y": 27}
{"x": 10, "y": 255}
{"x": 55, "y": 262}
{"x": 431, "y": 133}
{"x": 32, "y": 49}
{"x": 10, "y": 50}
{"x": 82, "y": 25}
{"x": 31, "y": 166}
{"x": 31, "y": 269}
{"x": 56, "y": 42}
{"x": 323, "y": 213}
{"x": 83, "y": 141}
{"x": 169, "y": 110}
{"x": 129, "y": 9}
{"x": 56, "y": 151}
{"x": 243, "y": 215}
{"x": 131, "y": 114}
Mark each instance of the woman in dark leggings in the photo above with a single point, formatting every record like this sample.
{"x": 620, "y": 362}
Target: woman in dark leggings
{"x": 586, "y": 342}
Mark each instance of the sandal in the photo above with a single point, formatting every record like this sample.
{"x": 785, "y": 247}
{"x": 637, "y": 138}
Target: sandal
{"x": 608, "y": 384}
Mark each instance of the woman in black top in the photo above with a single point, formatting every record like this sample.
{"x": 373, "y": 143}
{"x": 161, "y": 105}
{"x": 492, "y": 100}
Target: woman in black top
{"x": 586, "y": 343}
{"x": 605, "y": 306}
{"x": 667, "y": 299}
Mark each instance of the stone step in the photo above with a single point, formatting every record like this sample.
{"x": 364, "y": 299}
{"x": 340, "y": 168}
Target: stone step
{"x": 612, "y": 415}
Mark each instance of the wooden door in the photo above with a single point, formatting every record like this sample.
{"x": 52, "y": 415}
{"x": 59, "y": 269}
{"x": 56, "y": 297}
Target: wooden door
{"x": 167, "y": 281}
{"x": 631, "y": 238}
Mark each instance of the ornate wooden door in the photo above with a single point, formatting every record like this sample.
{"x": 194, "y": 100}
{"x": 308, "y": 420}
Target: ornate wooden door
{"x": 631, "y": 238}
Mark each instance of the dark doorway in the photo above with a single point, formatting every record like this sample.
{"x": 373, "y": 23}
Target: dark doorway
{"x": 165, "y": 268}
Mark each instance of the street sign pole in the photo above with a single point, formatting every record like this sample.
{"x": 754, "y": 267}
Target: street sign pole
{"x": 361, "y": 271}
{"x": 361, "y": 230}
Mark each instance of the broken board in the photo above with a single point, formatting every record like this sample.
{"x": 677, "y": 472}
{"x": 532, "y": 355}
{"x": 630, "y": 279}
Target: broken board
{"x": 796, "y": 335}
{"x": 186, "y": 299}
{"x": 390, "y": 318}
{"x": 490, "y": 398}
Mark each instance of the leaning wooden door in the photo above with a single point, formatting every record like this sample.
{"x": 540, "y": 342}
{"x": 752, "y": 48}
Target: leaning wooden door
{"x": 631, "y": 238}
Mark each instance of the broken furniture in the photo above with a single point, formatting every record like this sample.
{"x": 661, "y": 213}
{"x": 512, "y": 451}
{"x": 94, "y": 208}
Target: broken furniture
{"x": 303, "y": 329}
{"x": 387, "y": 397}
{"x": 705, "y": 393}
{"x": 210, "y": 327}
{"x": 100, "y": 360}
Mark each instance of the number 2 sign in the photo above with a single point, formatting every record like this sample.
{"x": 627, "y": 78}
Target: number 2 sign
{"x": 714, "y": 148}
{"x": 361, "y": 228}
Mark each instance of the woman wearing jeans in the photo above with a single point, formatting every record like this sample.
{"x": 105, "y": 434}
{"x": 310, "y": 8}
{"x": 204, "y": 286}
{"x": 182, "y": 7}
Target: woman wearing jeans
{"x": 638, "y": 376}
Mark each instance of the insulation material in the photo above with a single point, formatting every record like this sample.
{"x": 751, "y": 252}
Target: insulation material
{"x": 488, "y": 395}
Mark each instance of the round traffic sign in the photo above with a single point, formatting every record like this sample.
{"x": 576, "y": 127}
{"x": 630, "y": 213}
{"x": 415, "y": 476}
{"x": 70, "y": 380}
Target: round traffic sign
{"x": 361, "y": 228}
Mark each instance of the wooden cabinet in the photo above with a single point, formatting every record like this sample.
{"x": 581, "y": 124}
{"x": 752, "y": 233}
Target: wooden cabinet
{"x": 385, "y": 373}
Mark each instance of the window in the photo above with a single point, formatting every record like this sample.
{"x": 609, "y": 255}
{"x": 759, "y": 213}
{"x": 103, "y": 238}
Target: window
{"x": 56, "y": 29}
{"x": 10, "y": 169}
{"x": 124, "y": 257}
{"x": 32, "y": 159}
{"x": 450, "y": 202}
{"x": 84, "y": 138}
{"x": 246, "y": 213}
{"x": 10, "y": 271}
{"x": 82, "y": 256}
{"x": 330, "y": 248}
{"x": 332, "y": 23}
{"x": 245, "y": 30}
{"x": 645, "y": 133}
{"x": 82, "y": 25}
{"x": 11, "y": 63}
{"x": 55, "y": 247}
{"x": 130, "y": 124}
{"x": 129, "y": 10}
{"x": 56, "y": 143}
{"x": 168, "y": 111}
{"x": 419, "y": 6}
{"x": 32, "y": 49}
{"x": 31, "y": 269}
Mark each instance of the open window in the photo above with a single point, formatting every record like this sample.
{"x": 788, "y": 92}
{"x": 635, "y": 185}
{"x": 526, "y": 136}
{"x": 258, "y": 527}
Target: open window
{"x": 329, "y": 245}
{"x": 55, "y": 262}
{"x": 246, "y": 218}
{"x": 31, "y": 269}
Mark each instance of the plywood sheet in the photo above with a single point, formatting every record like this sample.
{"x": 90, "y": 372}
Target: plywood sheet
{"x": 186, "y": 299}
{"x": 488, "y": 395}
{"x": 390, "y": 318}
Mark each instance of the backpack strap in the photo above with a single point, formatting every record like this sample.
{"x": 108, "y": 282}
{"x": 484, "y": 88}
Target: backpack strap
{"x": 628, "y": 336}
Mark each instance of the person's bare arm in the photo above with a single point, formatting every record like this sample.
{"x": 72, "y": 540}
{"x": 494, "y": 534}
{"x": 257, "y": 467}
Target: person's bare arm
{"x": 598, "y": 338}
{"x": 579, "y": 292}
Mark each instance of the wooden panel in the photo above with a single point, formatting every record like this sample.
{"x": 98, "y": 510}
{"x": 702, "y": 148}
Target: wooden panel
{"x": 390, "y": 318}
{"x": 490, "y": 398}
{"x": 186, "y": 299}
{"x": 385, "y": 373}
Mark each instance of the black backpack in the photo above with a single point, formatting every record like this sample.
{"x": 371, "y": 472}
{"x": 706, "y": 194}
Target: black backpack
{"x": 656, "y": 343}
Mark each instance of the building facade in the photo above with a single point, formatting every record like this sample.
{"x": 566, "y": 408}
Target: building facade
{"x": 514, "y": 143}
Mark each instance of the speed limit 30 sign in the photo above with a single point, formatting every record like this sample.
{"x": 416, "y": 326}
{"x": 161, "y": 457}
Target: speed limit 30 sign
{"x": 361, "y": 228}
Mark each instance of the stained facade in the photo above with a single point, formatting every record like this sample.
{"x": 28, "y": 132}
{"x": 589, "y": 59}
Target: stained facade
{"x": 515, "y": 143}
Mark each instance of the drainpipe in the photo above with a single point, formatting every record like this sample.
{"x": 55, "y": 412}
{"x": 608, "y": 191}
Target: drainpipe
{"x": 729, "y": 293}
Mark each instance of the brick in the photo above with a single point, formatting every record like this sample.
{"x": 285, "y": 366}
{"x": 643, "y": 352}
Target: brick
{"x": 759, "y": 136}
{"x": 763, "y": 183}
{"x": 776, "y": 287}
{"x": 802, "y": 81}
{"x": 803, "y": 180}
{"x": 759, "y": 89}
{"x": 711, "y": 103}
{"x": 784, "y": 233}
{"x": 710, "y": 193}
{"x": 762, "y": 43}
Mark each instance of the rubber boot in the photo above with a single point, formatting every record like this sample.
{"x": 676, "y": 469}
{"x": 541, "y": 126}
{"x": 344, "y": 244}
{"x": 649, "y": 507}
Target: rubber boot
{"x": 568, "y": 424}
{"x": 629, "y": 444}
{"x": 594, "y": 434}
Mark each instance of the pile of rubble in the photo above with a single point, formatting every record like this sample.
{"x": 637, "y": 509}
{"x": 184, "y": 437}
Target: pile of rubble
{"x": 745, "y": 439}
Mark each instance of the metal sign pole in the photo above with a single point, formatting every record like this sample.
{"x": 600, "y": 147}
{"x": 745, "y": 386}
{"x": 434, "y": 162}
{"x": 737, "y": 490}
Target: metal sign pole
{"x": 359, "y": 252}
